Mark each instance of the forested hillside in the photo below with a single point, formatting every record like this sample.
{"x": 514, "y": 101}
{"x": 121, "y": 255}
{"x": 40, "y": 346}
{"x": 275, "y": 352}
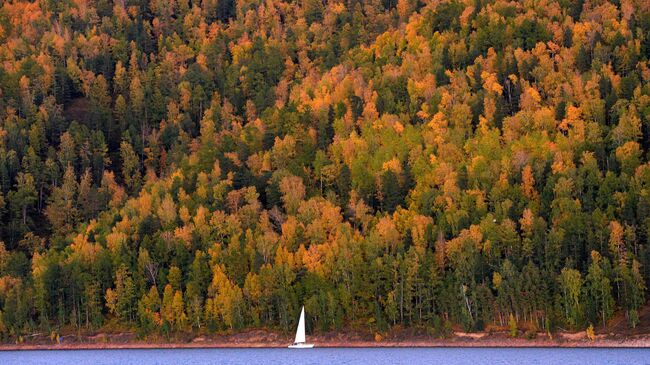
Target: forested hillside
{"x": 175, "y": 166}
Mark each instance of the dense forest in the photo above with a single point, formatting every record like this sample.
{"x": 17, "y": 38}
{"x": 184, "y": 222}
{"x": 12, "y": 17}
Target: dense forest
{"x": 185, "y": 166}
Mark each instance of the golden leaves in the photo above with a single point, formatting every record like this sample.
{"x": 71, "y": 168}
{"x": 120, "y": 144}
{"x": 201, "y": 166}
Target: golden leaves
{"x": 471, "y": 236}
{"x": 438, "y": 125}
{"x": 143, "y": 204}
{"x": 293, "y": 191}
{"x": 115, "y": 240}
{"x": 398, "y": 127}
{"x": 419, "y": 225}
{"x": 527, "y": 220}
{"x": 490, "y": 83}
{"x": 388, "y": 234}
{"x": 528, "y": 183}
{"x": 84, "y": 249}
{"x": 617, "y": 240}
{"x": 312, "y": 259}
{"x": 393, "y": 165}
{"x": 530, "y": 99}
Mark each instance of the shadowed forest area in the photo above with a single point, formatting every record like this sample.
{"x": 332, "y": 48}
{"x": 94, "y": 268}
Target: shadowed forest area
{"x": 191, "y": 167}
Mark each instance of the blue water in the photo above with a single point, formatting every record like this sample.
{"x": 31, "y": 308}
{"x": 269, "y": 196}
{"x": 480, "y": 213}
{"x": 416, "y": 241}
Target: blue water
{"x": 352, "y": 356}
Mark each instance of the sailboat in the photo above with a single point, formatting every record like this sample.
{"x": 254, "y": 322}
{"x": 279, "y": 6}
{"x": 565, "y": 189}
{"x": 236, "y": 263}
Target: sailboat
{"x": 299, "y": 342}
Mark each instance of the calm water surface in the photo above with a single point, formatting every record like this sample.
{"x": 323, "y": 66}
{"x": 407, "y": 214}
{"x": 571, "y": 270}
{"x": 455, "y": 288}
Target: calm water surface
{"x": 323, "y": 356}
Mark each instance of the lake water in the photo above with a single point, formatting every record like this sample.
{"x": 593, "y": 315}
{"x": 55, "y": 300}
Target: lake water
{"x": 351, "y": 356}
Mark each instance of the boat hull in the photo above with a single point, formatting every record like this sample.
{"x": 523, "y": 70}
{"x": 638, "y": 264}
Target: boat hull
{"x": 301, "y": 346}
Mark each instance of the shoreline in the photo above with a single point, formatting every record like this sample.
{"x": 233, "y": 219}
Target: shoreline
{"x": 485, "y": 341}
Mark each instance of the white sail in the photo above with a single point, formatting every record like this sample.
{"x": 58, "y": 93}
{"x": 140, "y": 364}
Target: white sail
{"x": 300, "y": 332}
{"x": 299, "y": 343}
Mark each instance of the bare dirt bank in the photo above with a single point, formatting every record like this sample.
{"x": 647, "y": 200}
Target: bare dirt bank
{"x": 268, "y": 339}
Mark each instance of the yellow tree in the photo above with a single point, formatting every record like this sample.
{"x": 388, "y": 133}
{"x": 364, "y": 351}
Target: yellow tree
{"x": 226, "y": 299}
{"x": 293, "y": 191}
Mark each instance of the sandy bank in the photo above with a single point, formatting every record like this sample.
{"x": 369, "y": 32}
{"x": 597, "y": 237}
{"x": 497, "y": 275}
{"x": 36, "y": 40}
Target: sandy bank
{"x": 263, "y": 339}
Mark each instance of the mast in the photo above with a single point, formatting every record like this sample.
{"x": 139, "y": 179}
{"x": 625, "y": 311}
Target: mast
{"x": 300, "y": 332}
